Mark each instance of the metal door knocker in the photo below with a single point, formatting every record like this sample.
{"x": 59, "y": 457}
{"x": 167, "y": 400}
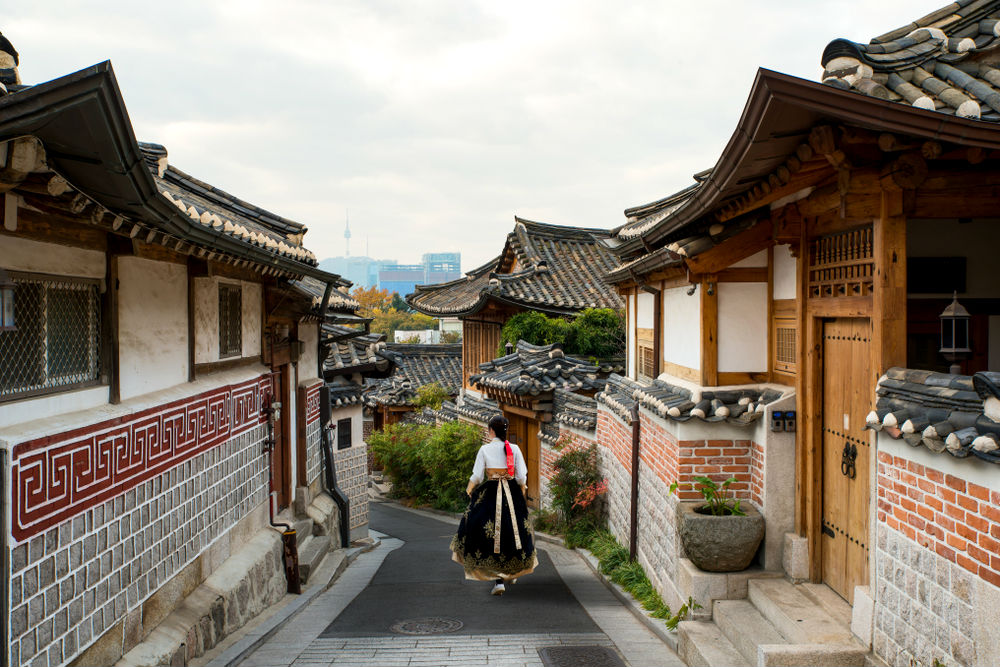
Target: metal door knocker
{"x": 847, "y": 459}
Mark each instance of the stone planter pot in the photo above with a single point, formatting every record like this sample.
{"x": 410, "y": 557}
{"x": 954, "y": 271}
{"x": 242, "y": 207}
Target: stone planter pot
{"x": 719, "y": 543}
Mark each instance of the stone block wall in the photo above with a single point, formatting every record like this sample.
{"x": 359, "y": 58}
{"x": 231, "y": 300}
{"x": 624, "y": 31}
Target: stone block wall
{"x": 310, "y": 415}
{"x": 102, "y": 516}
{"x": 936, "y": 561}
{"x": 352, "y": 478}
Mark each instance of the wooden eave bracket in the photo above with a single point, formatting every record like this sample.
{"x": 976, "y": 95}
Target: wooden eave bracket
{"x": 757, "y": 238}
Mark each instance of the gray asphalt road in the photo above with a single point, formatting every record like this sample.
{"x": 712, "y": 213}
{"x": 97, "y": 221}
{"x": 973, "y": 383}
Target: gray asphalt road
{"x": 420, "y": 580}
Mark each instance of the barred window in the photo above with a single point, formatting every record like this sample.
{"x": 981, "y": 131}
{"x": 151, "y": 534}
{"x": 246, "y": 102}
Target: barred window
{"x": 343, "y": 433}
{"x": 57, "y": 342}
{"x": 230, "y": 321}
{"x": 647, "y": 363}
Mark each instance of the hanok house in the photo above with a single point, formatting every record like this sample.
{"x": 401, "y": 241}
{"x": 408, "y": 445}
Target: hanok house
{"x": 416, "y": 365}
{"x": 551, "y": 269}
{"x": 817, "y": 255}
{"x": 535, "y": 385}
{"x": 159, "y": 337}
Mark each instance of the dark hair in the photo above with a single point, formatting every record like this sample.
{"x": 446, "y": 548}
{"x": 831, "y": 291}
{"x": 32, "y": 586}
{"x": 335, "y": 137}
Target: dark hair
{"x": 499, "y": 425}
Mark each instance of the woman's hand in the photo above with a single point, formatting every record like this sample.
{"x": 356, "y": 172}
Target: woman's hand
{"x": 469, "y": 488}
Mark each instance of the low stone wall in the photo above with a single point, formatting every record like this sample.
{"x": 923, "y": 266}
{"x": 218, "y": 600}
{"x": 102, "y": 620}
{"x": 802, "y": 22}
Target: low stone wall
{"x": 936, "y": 578}
{"x": 352, "y": 477}
{"x": 105, "y": 514}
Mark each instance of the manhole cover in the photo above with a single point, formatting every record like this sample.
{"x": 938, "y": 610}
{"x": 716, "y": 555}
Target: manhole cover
{"x": 434, "y": 625}
{"x": 579, "y": 656}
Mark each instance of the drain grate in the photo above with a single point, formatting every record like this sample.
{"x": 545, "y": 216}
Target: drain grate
{"x": 579, "y": 656}
{"x": 432, "y": 625}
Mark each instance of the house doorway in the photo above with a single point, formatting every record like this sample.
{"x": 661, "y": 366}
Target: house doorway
{"x": 846, "y": 453}
{"x": 281, "y": 457}
{"x": 524, "y": 432}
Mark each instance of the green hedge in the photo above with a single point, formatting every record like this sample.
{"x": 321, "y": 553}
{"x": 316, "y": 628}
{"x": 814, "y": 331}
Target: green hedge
{"x": 429, "y": 464}
{"x": 596, "y": 332}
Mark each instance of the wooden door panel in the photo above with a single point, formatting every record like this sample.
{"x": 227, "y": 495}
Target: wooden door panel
{"x": 846, "y": 400}
{"x": 531, "y": 456}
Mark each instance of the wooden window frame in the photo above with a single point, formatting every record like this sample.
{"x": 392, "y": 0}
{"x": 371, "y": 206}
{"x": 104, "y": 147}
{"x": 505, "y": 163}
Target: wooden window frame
{"x": 230, "y": 345}
{"x": 344, "y": 426}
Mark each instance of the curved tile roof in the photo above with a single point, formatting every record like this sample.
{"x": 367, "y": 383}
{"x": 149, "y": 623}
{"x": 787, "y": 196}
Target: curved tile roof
{"x": 416, "y": 366}
{"x": 542, "y": 267}
{"x": 945, "y": 61}
{"x": 735, "y": 406}
{"x": 954, "y": 413}
{"x": 536, "y": 369}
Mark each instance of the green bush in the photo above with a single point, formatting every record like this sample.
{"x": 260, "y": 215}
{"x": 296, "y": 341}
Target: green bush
{"x": 577, "y": 476}
{"x": 448, "y": 456}
{"x": 431, "y": 396}
{"x": 429, "y": 464}
{"x": 595, "y": 333}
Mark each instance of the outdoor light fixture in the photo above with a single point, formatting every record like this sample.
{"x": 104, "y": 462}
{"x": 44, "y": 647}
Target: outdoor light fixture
{"x": 955, "y": 334}
{"x": 509, "y": 347}
{"x": 6, "y": 302}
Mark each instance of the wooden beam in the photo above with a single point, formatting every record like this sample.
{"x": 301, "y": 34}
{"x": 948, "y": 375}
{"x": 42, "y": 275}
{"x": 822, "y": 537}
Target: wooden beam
{"x": 739, "y": 377}
{"x": 813, "y": 445}
{"x": 842, "y": 306}
{"x": 801, "y": 460}
{"x": 889, "y": 288}
{"x": 709, "y": 332}
{"x": 732, "y": 250}
{"x": 61, "y": 230}
{"x": 679, "y": 371}
{"x": 770, "y": 312}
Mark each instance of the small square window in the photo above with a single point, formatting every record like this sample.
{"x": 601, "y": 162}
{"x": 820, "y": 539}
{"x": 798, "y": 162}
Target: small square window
{"x": 343, "y": 433}
{"x": 230, "y": 321}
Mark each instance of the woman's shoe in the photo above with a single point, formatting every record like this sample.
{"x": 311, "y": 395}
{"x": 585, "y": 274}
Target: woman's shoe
{"x": 498, "y": 589}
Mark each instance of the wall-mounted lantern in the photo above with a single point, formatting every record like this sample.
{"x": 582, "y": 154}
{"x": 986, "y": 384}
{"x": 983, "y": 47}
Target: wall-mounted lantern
{"x": 509, "y": 348}
{"x": 955, "y": 334}
{"x": 6, "y": 302}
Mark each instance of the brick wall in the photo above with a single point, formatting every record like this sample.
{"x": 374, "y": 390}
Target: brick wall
{"x": 106, "y": 514}
{"x": 937, "y": 542}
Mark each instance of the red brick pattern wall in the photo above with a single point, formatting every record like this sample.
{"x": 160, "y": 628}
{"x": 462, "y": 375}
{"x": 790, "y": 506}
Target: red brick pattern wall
{"x": 757, "y": 474}
{"x": 718, "y": 460}
{"x": 958, "y": 520}
{"x": 568, "y": 441}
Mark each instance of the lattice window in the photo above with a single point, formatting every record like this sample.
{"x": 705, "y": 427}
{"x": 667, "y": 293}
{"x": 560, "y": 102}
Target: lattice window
{"x": 785, "y": 335}
{"x": 57, "y": 341}
{"x": 343, "y": 433}
{"x": 230, "y": 321}
{"x": 842, "y": 264}
{"x": 647, "y": 362}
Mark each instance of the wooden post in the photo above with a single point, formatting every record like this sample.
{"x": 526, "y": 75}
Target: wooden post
{"x": 812, "y": 435}
{"x": 709, "y": 331}
{"x": 658, "y": 331}
{"x": 889, "y": 289}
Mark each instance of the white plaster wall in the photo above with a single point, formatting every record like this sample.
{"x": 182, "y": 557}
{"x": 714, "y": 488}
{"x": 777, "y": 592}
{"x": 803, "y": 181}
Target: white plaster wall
{"x": 630, "y": 349}
{"x": 152, "y": 330}
{"x": 44, "y": 407}
{"x": 252, "y": 306}
{"x": 754, "y": 261}
{"x": 17, "y": 254}
{"x": 206, "y": 320}
{"x": 206, "y": 317}
{"x": 785, "y": 273}
{"x": 682, "y": 327}
{"x": 308, "y": 364}
{"x": 742, "y": 327}
{"x": 644, "y": 310}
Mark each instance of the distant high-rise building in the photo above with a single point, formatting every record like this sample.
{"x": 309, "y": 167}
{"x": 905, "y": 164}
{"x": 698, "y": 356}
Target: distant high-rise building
{"x": 435, "y": 267}
{"x": 347, "y": 236}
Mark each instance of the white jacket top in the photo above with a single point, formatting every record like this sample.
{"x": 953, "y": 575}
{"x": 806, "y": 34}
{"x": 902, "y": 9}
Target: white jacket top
{"x": 494, "y": 455}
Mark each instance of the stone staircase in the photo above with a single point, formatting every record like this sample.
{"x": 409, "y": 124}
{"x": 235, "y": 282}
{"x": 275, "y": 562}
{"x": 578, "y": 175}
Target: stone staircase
{"x": 779, "y": 623}
{"x": 315, "y": 534}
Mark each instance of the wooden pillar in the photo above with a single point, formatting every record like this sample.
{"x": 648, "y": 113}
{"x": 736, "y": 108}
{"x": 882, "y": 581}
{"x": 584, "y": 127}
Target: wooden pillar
{"x": 709, "y": 331}
{"x": 802, "y": 503}
{"x": 889, "y": 290}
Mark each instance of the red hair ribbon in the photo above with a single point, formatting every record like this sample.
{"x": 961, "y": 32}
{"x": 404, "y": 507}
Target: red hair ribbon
{"x": 510, "y": 458}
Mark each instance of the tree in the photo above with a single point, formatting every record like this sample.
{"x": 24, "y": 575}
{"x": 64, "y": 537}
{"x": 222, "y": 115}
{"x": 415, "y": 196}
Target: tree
{"x": 400, "y": 304}
{"x": 595, "y": 332}
{"x": 372, "y": 300}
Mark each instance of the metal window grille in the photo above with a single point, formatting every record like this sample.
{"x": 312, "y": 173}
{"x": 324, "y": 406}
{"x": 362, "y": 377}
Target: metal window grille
{"x": 57, "y": 340}
{"x": 343, "y": 433}
{"x": 230, "y": 321}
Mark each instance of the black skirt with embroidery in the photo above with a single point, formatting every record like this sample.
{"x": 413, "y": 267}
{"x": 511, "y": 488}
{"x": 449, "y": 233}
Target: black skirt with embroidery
{"x": 475, "y": 546}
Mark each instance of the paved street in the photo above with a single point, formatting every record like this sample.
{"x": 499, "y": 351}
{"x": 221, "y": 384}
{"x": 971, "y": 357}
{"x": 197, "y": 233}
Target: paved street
{"x": 410, "y": 577}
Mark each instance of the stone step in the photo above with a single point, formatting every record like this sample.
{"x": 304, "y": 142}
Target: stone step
{"x": 303, "y": 530}
{"x": 744, "y": 627}
{"x": 702, "y": 644}
{"x": 799, "y": 619}
{"x": 827, "y": 598}
{"x": 311, "y": 553}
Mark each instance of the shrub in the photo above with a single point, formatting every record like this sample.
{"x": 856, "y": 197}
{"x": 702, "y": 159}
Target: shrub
{"x": 448, "y": 456}
{"x": 429, "y": 464}
{"x": 577, "y": 485}
{"x": 431, "y": 396}
{"x": 596, "y": 332}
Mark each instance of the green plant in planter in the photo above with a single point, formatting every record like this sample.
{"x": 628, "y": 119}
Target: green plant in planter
{"x": 718, "y": 499}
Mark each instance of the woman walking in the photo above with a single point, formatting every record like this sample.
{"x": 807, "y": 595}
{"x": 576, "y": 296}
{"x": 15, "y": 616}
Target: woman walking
{"x": 494, "y": 540}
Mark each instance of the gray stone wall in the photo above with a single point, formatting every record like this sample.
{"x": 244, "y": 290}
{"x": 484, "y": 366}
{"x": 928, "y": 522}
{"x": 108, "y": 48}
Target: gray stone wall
{"x": 78, "y": 579}
{"x": 352, "y": 478}
{"x": 924, "y": 605}
{"x": 313, "y": 452}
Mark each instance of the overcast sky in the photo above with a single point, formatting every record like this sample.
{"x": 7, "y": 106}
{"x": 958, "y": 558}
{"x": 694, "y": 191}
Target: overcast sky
{"x": 434, "y": 123}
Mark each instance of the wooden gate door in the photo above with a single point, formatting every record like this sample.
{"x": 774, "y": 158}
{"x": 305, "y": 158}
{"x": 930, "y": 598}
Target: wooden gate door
{"x": 524, "y": 432}
{"x": 846, "y": 401}
{"x": 281, "y": 458}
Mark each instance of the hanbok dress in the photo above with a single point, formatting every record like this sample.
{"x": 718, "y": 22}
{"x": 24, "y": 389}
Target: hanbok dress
{"x": 495, "y": 539}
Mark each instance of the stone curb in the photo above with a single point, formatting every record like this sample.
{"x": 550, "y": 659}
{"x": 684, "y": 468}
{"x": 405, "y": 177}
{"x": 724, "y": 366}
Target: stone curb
{"x": 655, "y": 625}
{"x": 244, "y": 647}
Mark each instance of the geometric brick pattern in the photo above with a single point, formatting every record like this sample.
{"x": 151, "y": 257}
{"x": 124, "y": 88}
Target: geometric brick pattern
{"x": 59, "y": 476}
{"x": 79, "y": 577}
{"x": 352, "y": 478}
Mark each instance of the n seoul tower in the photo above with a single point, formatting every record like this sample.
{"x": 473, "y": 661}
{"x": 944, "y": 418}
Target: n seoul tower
{"x": 347, "y": 235}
